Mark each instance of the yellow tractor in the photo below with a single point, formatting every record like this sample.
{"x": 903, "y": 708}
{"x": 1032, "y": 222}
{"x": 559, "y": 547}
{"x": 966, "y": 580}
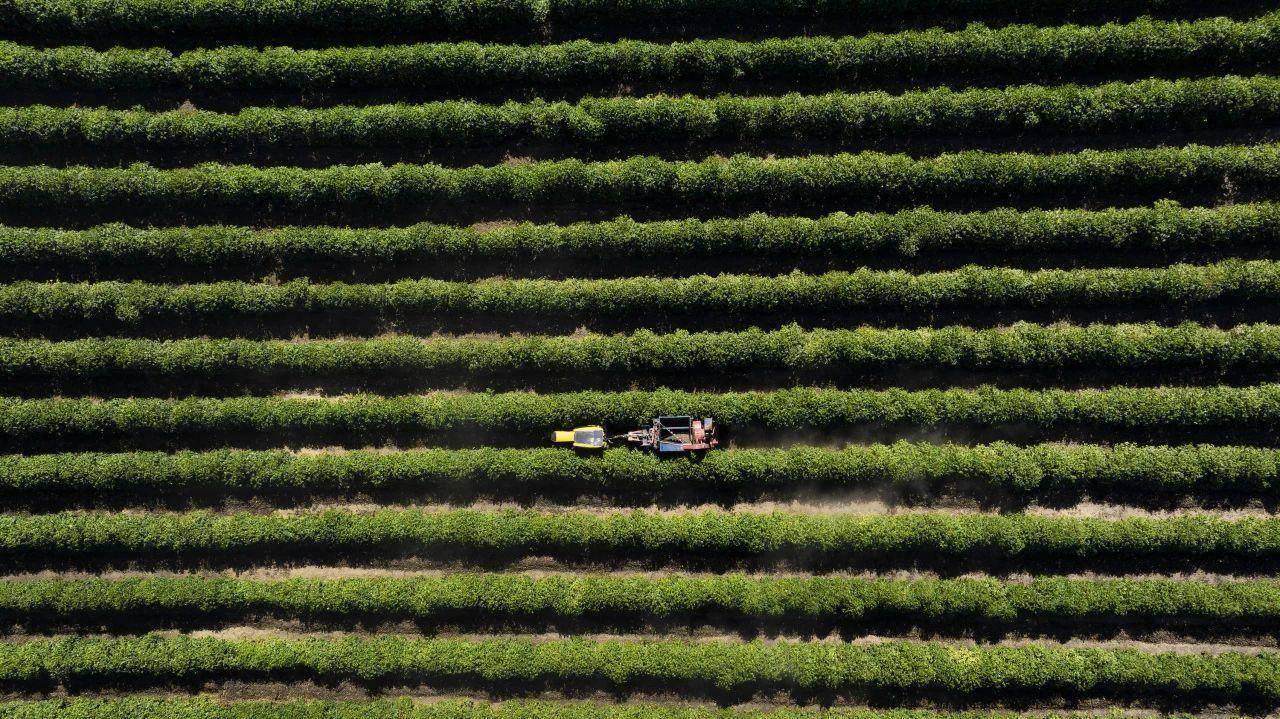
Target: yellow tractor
{"x": 665, "y": 436}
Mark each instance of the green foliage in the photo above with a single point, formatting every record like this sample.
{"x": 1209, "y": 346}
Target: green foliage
{"x": 812, "y": 181}
{"x": 203, "y": 20}
{"x": 368, "y": 418}
{"x": 838, "y": 540}
{"x": 1164, "y": 105}
{"x": 206, "y": 708}
{"x": 610, "y": 598}
{"x": 918, "y": 232}
{"x": 972, "y": 54}
{"x": 1019, "y": 347}
{"x": 1001, "y": 468}
{"x": 232, "y": 20}
{"x": 746, "y": 296}
{"x": 912, "y": 667}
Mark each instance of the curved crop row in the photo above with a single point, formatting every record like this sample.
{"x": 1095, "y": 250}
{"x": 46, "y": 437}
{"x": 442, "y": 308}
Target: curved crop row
{"x": 974, "y": 53}
{"x": 999, "y": 468}
{"x": 1019, "y": 347}
{"x": 623, "y": 665}
{"x": 726, "y": 295}
{"x": 527, "y": 415}
{"x": 813, "y": 181}
{"x": 840, "y": 540}
{"x": 1166, "y": 105}
{"x": 920, "y": 232}
{"x": 231, "y": 21}
{"x": 959, "y": 603}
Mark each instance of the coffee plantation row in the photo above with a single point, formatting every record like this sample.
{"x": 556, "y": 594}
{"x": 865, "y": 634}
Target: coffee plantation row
{"x": 203, "y": 707}
{"x": 281, "y": 362}
{"x": 1020, "y": 52}
{"x": 526, "y": 416}
{"x": 924, "y": 233}
{"x": 703, "y": 667}
{"x": 137, "y": 302}
{"x": 229, "y": 20}
{"x": 955, "y": 605}
{"x": 870, "y": 179}
{"x": 979, "y": 293}
{"x": 1160, "y": 105}
{"x": 834, "y": 540}
{"x": 999, "y": 468}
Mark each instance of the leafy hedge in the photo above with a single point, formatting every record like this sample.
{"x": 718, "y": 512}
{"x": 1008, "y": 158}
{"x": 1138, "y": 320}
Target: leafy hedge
{"x": 974, "y": 54}
{"x": 367, "y": 418}
{"x": 227, "y": 20}
{"x": 1000, "y": 468}
{"x": 1166, "y": 226}
{"x": 726, "y": 295}
{"x": 203, "y": 707}
{"x": 1019, "y": 347}
{"x": 813, "y": 181}
{"x": 837, "y": 540}
{"x": 611, "y": 598}
{"x": 622, "y": 665}
{"x": 852, "y": 118}
{"x": 230, "y": 21}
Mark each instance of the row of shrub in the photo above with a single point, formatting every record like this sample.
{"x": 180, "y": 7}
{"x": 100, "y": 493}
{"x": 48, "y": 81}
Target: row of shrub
{"x": 726, "y": 295}
{"x": 524, "y": 415}
{"x": 843, "y": 540}
{"x": 1019, "y": 347}
{"x": 232, "y": 21}
{"x": 204, "y": 707}
{"x": 227, "y": 20}
{"x": 1167, "y": 226}
{"x": 959, "y": 603}
{"x": 975, "y": 53}
{"x": 1166, "y": 105}
{"x": 1000, "y": 468}
{"x": 503, "y": 664}
{"x": 865, "y": 179}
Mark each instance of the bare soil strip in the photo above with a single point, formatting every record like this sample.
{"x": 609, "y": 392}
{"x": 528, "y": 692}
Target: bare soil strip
{"x": 542, "y": 567}
{"x": 867, "y": 504}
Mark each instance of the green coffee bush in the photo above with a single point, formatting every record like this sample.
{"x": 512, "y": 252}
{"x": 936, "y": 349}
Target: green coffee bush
{"x": 525, "y": 415}
{"x": 1164, "y": 105}
{"x": 208, "y": 250}
{"x": 230, "y": 21}
{"x": 744, "y": 296}
{"x": 842, "y": 668}
{"x": 202, "y": 707}
{"x": 973, "y": 55}
{"x": 829, "y": 540}
{"x": 960, "y": 603}
{"x": 793, "y": 349}
{"x": 813, "y": 181}
{"x": 999, "y": 468}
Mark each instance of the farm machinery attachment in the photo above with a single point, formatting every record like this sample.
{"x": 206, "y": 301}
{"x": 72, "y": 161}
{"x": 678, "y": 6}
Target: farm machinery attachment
{"x": 665, "y": 436}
